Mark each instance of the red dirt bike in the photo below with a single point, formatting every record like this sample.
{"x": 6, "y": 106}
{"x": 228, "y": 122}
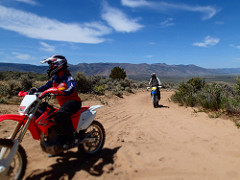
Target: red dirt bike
{"x": 38, "y": 117}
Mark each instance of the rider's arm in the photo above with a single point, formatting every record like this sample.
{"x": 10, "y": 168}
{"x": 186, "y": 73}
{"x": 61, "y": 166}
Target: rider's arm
{"x": 159, "y": 82}
{"x": 46, "y": 86}
{"x": 150, "y": 82}
{"x": 70, "y": 86}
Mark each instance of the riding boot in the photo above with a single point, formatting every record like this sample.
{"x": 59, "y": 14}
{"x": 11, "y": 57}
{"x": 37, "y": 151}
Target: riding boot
{"x": 69, "y": 141}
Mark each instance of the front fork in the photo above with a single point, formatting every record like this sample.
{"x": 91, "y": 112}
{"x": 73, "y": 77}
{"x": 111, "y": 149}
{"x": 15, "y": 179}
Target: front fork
{"x": 5, "y": 162}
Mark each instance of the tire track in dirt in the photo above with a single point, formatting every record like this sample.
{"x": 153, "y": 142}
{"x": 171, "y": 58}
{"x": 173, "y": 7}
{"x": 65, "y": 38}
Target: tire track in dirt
{"x": 170, "y": 143}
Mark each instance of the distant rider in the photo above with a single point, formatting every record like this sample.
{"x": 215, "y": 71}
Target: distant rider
{"x": 70, "y": 102}
{"x": 155, "y": 82}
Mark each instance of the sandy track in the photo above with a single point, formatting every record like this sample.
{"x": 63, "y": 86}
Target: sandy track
{"x": 142, "y": 142}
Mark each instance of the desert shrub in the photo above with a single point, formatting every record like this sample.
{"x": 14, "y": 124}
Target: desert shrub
{"x": 185, "y": 95}
{"x": 212, "y": 97}
{"x": 128, "y": 89}
{"x": 126, "y": 83}
{"x": 83, "y": 85}
{"x": 4, "y": 89}
{"x": 10, "y": 75}
{"x": 14, "y": 87}
{"x": 196, "y": 84}
{"x": 118, "y": 73}
{"x": 117, "y": 93}
{"x": 233, "y": 105}
{"x": 99, "y": 90}
{"x": 97, "y": 80}
{"x": 3, "y": 100}
{"x": 9, "y": 88}
{"x": 237, "y": 86}
{"x": 26, "y": 83}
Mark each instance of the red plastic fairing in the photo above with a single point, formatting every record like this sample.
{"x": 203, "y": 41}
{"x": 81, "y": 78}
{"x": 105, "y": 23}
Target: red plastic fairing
{"x": 32, "y": 127}
{"x": 44, "y": 121}
{"x": 76, "y": 117}
{"x": 22, "y": 93}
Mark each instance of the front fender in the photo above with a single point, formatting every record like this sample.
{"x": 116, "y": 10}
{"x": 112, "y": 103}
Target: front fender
{"x": 12, "y": 117}
{"x": 19, "y": 118}
{"x": 153, "y": 92}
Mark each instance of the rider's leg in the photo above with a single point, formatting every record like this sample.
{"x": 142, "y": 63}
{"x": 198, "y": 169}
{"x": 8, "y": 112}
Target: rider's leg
{"x": 63, "y": 117}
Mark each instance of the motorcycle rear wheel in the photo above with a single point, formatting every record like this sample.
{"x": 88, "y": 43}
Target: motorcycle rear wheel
{"x": 17, "y": 168}
{"x": 93, "y": 148}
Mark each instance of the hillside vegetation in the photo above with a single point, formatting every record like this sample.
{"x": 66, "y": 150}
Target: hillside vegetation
{"x": 13, "y": 82}
{"x": 218, "y": 97}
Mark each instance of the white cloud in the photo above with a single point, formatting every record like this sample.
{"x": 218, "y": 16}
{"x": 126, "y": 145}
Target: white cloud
{"x": 168, "y": 22}
{"x": 21, "y": 56}
{"x": 119, "y": 21}
{"x": 37, "y": 27}
{"x": 207, "y": 11}
{"x": 149, "y": 56}
{"x": 235, "y": 46}
{"x": 47, "y": 47}
{"x": 135, "y": 3}
{"x": 208, "y": 41}
{"x": 31, "y": 2}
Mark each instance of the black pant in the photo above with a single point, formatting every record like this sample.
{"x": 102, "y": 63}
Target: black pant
{"x": 63, "y": 116}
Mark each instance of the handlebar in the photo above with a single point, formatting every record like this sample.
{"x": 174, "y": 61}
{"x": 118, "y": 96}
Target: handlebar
{"x": 50, "y": 91}
{"x": 53, "y": 90}
{"x": 154, "y": 86}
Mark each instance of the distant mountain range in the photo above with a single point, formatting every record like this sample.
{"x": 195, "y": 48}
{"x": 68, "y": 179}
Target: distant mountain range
{"x": 134, "y": 71}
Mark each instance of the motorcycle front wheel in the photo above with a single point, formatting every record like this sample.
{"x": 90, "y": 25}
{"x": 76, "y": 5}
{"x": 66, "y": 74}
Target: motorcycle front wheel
{"x": 96, "y": 139}
{"x": 17, "y": 167}
{"x": 155, "y": 101}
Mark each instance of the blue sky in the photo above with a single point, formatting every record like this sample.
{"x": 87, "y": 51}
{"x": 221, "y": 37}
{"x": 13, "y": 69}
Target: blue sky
{"x": 201, "y": 32}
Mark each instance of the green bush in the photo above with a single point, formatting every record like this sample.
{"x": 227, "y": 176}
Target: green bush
{"x": 212, "y": 96}
{"x": 117, "y": 93}
{"x": 128, "y": 89}
{"x": 26, "y": 83}
{"x": 99, "y": 90}
{"x": 118, "y": 73}
{"x": 83, "y": 85}
{"x": 185, "y": 95}
{"x": 14, "y": 87}
{"x": 196, "y": 84}
{"x": 3, "y": 100}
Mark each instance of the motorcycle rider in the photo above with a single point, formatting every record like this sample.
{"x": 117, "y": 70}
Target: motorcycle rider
{"x": 70, "y": 102}
{"x": 155, "y": 82}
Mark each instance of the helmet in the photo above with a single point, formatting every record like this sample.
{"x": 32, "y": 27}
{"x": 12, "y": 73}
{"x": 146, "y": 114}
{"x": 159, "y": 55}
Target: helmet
{"x": 153, "y": 74}
{"x": 56, "y": 63}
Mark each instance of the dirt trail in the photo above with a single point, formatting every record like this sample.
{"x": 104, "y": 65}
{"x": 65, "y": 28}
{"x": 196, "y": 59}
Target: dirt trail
{"x": 142, "y": 142}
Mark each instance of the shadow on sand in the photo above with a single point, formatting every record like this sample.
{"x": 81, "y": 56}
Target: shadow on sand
{"x": 72, "y": 162}
{"x": 162, "y": 106}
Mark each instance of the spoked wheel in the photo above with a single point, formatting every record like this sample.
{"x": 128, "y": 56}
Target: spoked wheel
{"x": 155, "y": 101}
{"x": 17, "y": 167}
{"x": 95, "y": 141}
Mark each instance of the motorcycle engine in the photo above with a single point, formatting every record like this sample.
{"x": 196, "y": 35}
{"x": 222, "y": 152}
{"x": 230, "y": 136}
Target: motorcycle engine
{"x": 51, "y": 143}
